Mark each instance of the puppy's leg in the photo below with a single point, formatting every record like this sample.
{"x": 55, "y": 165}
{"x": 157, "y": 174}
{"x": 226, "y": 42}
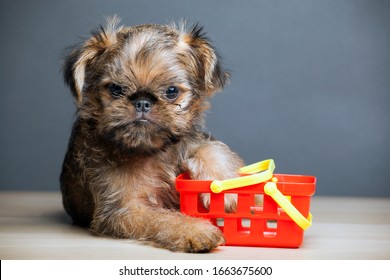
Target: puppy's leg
{"x": 213, "y": 160}
{"x": 165, "y": 228}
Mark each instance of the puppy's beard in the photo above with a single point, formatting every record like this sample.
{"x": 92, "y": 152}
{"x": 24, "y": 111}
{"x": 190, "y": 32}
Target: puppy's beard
{"x": 141, "y": 136}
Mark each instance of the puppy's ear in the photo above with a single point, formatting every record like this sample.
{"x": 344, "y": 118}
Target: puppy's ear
{"x": 205, "y": 61}
{"x": 81, "y": 57}
{"x": 74, "y": 70}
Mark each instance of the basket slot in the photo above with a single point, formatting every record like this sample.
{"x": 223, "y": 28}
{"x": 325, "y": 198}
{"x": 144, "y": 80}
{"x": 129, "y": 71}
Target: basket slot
{"x": 232, "y": 198}
{"x": 256, "y": 210}
{"x": 272, "y": 224}
{"x": 201, "y": 208}
{"x": 245, "y": 223}
{"x": 259, "y": 199}
{"x": 244, "y": 226}
{"x": 269, "y": 234}
{"x": 220, "y": 222}
{"x": 271, "y": 227}
{"x": 256, "y": 206}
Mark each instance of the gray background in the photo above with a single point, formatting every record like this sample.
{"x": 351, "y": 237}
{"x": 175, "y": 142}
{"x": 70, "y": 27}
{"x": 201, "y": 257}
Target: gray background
{"x": 310, "y": 85}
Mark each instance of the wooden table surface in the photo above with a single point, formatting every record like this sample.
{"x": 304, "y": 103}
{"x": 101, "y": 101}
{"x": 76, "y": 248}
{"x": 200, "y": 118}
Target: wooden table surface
{"x": 33, "y": 225}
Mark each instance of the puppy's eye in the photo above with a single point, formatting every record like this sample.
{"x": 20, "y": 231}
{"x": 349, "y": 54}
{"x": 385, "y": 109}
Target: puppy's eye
{"x": 172, "y": 92}
{"x": 116, "y": 90}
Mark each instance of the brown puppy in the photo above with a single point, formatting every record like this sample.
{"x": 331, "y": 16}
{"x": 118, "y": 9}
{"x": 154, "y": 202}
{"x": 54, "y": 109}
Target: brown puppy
{"x": 141, "y": 94}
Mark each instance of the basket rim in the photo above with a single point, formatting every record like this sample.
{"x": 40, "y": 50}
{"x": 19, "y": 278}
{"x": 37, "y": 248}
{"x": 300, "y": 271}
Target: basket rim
{"x": 288, "y": 184}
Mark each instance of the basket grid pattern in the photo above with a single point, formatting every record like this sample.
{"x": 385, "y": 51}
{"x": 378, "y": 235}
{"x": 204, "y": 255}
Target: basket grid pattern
{"x": 251, "y": 224}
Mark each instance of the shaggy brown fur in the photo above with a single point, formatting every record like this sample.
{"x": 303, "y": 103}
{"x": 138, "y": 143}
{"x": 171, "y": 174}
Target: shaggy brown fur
{"x": 141, "y": 93}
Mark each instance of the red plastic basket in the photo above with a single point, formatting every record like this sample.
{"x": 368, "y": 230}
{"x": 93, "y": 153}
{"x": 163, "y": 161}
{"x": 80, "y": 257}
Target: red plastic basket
{"x": 250, "y": 225}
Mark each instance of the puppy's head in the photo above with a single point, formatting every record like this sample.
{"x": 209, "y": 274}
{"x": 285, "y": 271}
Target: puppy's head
{"x": 145, "y": 86}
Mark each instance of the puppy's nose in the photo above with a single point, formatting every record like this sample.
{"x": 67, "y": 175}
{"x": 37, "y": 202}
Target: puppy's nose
{"x": 142, "y": 105}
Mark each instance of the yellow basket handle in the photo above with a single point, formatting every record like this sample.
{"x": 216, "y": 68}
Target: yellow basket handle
{"x": 271, "y": 189}
{"x": 263, "y": 171}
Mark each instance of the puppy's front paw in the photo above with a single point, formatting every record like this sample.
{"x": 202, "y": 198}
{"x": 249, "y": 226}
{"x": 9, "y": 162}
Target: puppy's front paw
{"x": 198, "y": 236}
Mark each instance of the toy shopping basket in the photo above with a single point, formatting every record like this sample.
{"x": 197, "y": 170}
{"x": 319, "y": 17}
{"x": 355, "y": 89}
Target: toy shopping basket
{"x": 279, "y": 221}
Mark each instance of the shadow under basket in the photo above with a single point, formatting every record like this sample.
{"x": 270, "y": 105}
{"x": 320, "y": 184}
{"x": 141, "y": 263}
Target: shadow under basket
{"x": 257, "y": 220}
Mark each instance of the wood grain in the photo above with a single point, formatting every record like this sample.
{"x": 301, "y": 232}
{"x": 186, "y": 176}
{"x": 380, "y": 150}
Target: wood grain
{"x": 33, "y": 225}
